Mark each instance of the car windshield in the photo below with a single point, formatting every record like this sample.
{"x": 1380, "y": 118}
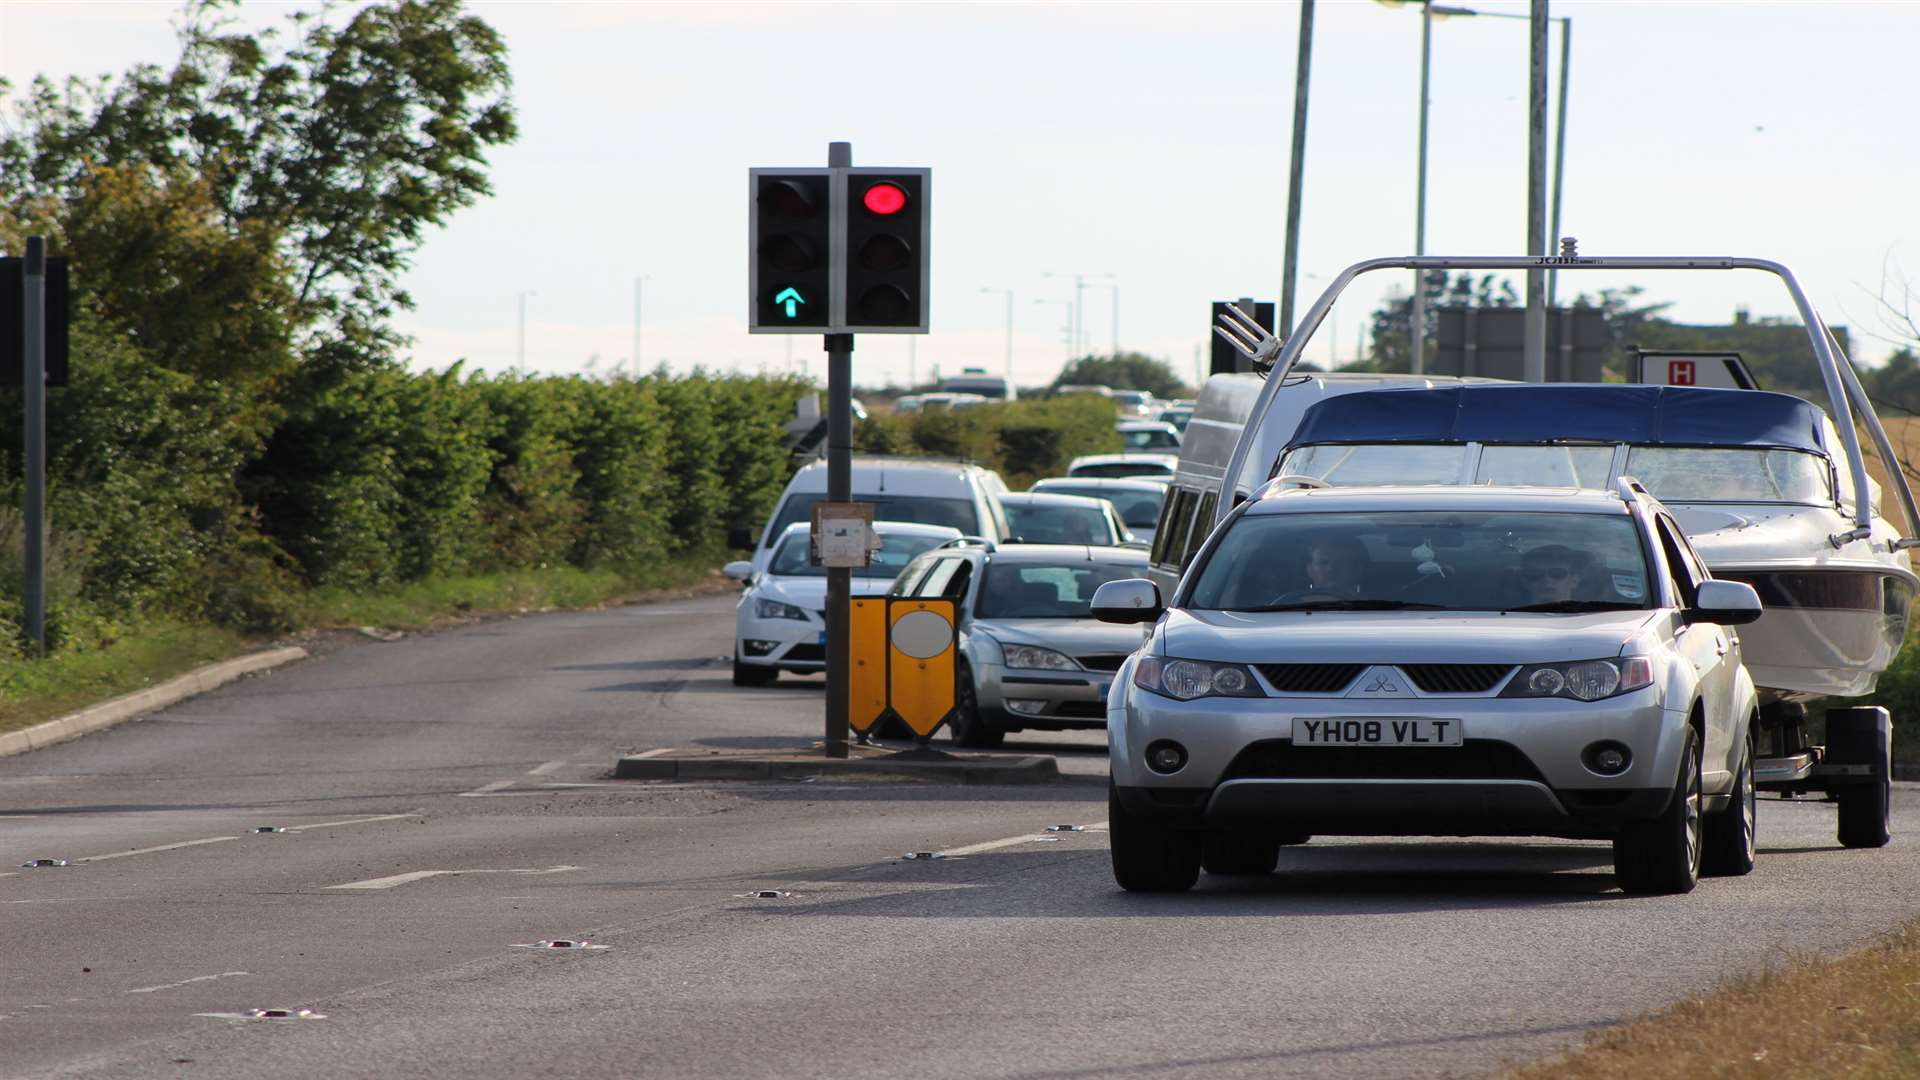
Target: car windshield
{"x": 1150, "y": 439}
{"x": 896, "y": 551}
{"x": 1060, "y": 524}
{"x": 1443, "y": 560}
{"x": 953, "y": 513}
{"x": 1139, "y": 509}
{"x": 1035, "y": 590}
{"x": 1118, "y": 470}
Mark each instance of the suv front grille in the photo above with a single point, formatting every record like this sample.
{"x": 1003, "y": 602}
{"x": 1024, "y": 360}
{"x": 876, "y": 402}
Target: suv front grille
{"x": 1475, "y": 759}
{"x": 1456, "y": 678}
{"x": 1311, "y": 678}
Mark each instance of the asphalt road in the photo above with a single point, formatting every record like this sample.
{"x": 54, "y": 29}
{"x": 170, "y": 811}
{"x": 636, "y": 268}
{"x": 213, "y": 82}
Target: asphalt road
{"x": 446, "y": 799}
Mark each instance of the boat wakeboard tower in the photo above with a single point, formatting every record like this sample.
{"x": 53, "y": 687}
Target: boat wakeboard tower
{"x": 1807, "y": 532}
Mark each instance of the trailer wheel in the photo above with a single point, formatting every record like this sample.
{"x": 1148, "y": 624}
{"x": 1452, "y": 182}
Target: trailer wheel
{"x": 1863, "y": 736}
{"x": 1866, "y": 813}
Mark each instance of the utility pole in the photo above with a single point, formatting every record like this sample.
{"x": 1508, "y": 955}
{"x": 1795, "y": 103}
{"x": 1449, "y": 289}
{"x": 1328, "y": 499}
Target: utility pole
{"x": 1417, "y": 326}
{"x": 1535, "y": 355}
{"x": 520, "y": 354}
{"x": 1297, "y": 173}
{"x": 1560, "y": 147}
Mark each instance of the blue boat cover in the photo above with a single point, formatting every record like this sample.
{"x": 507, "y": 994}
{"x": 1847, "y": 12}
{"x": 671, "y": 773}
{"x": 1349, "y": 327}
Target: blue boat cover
{"x": 1565, "y": 412}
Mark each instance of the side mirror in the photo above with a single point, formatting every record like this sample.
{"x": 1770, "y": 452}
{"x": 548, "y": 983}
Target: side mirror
{"x": 738, "y": 571}
{"x": 1728, "y": 603}
{"x": 739, "y": 539}
{"x": 1129, "y": 600}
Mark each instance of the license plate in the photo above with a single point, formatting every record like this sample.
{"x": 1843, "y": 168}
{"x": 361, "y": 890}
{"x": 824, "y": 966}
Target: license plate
{"x": 1375, "y": 731}
{"x": 823, "y": 638}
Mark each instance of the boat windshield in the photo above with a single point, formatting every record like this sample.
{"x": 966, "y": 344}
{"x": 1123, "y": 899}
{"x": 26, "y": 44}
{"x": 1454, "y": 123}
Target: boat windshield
{"x": 1680, "y": 474}
{"x": 1425, "y": 560}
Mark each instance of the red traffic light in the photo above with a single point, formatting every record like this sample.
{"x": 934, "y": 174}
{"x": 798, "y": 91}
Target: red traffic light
{"x": 885, "y": 198}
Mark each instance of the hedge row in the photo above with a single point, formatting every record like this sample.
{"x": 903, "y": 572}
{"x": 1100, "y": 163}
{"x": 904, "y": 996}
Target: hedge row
{"x": 1024, "y": 440}
{"x": 183, "y": 496}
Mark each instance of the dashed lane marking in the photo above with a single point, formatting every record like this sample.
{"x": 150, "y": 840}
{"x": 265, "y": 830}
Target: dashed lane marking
{"x": 353, "y": 821}
{"x": 487, "y": 789}
{"x": 187, "y": 982}
{"x": 1011, "y": 841}
{"x": 151, "y": 850}
{"x": 421, "y": 875}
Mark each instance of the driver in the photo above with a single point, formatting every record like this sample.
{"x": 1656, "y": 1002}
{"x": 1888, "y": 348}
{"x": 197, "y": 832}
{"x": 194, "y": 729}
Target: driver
{"x": 1553, "y": 572}
{"x": 1334, "y": 565}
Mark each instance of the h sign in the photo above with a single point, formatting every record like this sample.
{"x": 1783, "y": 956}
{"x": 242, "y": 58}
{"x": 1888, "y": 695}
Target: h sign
{"x": 1680, "y": 373}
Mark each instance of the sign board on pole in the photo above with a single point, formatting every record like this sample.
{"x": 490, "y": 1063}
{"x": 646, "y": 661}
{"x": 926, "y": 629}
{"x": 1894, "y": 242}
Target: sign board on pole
{"x": 1723, "y": 370}
{"x": 920, "y": 662}
{"x": 842, "y": 534}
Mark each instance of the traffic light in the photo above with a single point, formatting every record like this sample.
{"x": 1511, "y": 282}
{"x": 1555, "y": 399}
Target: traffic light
{"x": 887, "y": 216}
{"x": 791, "y": 261}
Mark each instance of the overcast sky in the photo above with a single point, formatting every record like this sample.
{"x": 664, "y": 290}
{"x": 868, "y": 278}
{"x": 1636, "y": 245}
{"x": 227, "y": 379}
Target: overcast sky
{"x": 1147, "y": 141}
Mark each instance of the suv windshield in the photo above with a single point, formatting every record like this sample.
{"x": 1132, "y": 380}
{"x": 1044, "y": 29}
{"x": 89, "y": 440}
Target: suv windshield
{"x": 1443, "y": 560}
{"x": 790, "y": 558}
{"x": 954, "y": 513}
{"x": 1139, "y": 509}
{"x": 1033, "y": 590}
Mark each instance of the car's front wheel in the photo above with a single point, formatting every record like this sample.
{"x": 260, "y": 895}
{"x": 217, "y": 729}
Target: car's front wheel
{"x": 967, "y": 728}
{"x": 753, "y": 674}
{"x": 1663, "y": 855}
{"x": 1149, "y": 855}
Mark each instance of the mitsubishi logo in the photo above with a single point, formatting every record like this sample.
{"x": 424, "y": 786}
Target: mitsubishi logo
{"x": 1380, "y": 681}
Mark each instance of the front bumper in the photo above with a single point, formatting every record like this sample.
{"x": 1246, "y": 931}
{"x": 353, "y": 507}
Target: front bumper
{"x": 1519, "y": 771}
{"x": 1065, "y": 700}
{"x": 781, "y": 643}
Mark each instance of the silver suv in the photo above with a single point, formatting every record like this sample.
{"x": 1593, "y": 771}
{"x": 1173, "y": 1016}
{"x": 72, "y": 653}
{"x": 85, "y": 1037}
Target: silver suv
{"x": 1436, "y": 662}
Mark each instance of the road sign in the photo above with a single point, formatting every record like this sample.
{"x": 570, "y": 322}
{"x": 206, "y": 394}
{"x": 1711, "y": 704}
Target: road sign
{"x": 842, "y": 534}
{"x": 920, "y": 662}
{"x": 867, "y": 663}
{"x": 1725, "y": 370}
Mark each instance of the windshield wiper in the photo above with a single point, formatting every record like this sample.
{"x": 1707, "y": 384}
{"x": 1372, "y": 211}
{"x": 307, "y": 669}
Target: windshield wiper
{"x": 1351, "y": 605}
{"x": 1580, "y": 605}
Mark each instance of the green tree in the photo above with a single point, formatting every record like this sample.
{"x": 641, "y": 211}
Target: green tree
{"x": 1125, "y": 371}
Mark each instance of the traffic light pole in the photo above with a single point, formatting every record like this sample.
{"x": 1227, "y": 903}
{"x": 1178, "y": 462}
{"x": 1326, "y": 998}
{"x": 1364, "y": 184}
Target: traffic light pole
{"x": 839, "y": 490}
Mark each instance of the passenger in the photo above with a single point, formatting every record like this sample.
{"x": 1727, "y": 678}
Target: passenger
{"x": 1553, "y": 573}
{"x": 1334, "y": 565}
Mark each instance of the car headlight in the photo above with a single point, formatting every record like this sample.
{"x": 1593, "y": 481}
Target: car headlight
{"x": 1032, "y": 656}
{"x": 1582, "y": 680}
{"x": 1185, "y": 680}
{"x": 774, "y": 609}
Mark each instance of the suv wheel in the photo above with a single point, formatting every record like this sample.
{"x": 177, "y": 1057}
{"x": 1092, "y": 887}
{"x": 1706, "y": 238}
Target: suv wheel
{"x": 1663, "y": 855}
{"x": 753, "y": 674}
{"x": 1148, "y": 855}
{"x": 1240, "y": 853}
{"x": 1728, "y": 850}
{"x": 967, "y": 728}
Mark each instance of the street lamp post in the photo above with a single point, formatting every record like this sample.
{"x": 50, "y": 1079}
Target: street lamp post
{"x": 1009, "y": 292}
{"x": 1115, "y": 290}
{"x": 638, "y": 295}
{"x": 1066, "y": 329}
{"x": 520, "y": 354}
{"x": 1079, "y": 287}
{"x": 1428, "y": 12}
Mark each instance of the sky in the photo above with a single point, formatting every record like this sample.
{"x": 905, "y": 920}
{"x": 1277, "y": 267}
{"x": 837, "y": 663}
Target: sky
{"x": 1143, "y": 146}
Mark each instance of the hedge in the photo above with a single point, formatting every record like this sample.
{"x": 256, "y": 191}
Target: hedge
{"x": 1023, "y": 440}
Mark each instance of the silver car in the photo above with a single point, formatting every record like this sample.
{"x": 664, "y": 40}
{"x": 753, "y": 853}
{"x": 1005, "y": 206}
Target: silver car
{"x": 1031, "y": 654}
{"x": 1436, "y": 662}
{"x": 1064, "y": 519}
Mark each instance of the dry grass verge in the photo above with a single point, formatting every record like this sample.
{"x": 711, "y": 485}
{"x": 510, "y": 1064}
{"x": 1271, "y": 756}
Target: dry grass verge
{"x": 1857, "y": 1016}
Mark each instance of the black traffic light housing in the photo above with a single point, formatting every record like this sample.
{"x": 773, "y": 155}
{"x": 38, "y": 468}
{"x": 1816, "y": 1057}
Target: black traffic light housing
{"x": 887, "y": 218}
{"x": 791, "y": 262}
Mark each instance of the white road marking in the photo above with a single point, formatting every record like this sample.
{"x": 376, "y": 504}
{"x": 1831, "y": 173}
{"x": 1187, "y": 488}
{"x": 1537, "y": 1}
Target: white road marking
{"x": 487, "y": 789}
{"x": 186, "y": 982}
{"x": 353, "y": 821}
{"x": 421, "y": 875}
{"x": 151, "y": 850}
{"x": 1011, "y": 841}
{"x": 551, "y": 766}
{"x": 68, "y": 899}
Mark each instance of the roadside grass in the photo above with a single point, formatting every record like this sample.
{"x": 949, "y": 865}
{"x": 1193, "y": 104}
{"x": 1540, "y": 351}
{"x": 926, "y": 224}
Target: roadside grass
{"x": 1855, "y": 1016}
{"x": 34, "y": 691}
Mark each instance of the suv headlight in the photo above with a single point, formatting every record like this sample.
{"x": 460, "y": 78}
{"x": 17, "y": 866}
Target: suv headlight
{"x": 774, "y": 609}
{"x": 1185, "y": 680}
{"x": 1582, "y": 680}
{"x": 1032, "y": 656}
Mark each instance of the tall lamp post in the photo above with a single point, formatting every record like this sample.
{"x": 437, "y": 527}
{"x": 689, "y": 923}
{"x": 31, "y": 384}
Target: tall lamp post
{"x": 1009, "y": 292}
{"x": 1115, "y": 290}
{"x": 1066, "y": 329}
{"x": 520, "y": 353}
{"x": 638, "y": 295}
{"x": 1430, "y": 11}
{"x": 1079, "y": 288}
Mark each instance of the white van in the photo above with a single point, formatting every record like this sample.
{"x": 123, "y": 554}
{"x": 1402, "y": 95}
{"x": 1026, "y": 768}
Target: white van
{"x": 975, "y": 380}
{"x": 925, "y": 491}
{"x": 1207, "y": 445}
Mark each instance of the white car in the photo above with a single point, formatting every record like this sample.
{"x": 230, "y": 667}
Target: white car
{"x": 1149, "y": 466}
{"x": 1151, "y": 436}
{"x": 781, "y": 622}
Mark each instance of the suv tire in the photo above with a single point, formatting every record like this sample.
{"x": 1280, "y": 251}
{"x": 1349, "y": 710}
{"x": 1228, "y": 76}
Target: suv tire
{"x": 1728, "y": 836}
{"x": 753, "y": 674}
{"x": 1662, "y": 856}
{"x": 1248, "y": 853}
{"x": 967, "y": 727}
{"x": 1148, "y": 855}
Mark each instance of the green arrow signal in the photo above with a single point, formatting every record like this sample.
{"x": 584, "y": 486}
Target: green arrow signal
{"x": 790, "y": 297}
